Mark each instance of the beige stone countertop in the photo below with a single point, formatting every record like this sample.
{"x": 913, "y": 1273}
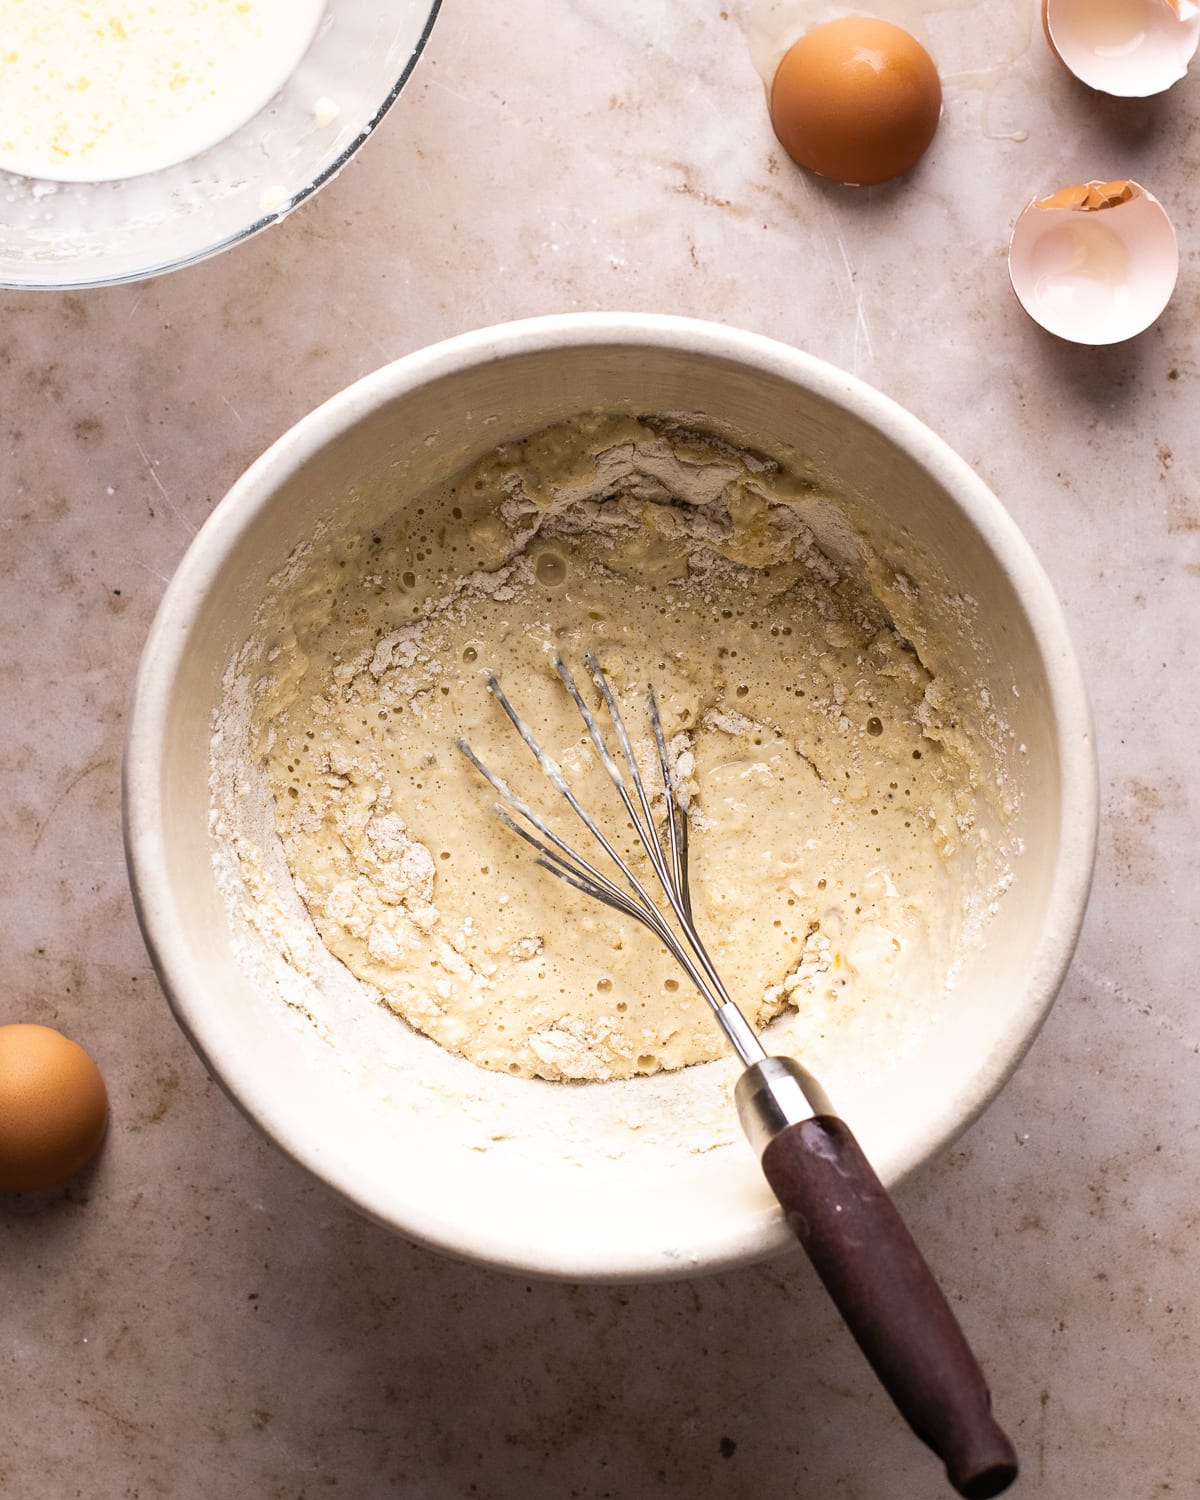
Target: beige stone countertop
{"x": 195, "y": 1317}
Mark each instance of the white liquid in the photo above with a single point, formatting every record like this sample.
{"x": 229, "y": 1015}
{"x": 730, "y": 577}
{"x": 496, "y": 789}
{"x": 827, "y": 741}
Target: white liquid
{"x": 91, "y": 92}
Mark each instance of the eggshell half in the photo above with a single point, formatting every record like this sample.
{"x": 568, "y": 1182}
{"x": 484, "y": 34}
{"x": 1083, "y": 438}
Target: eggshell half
{"x": 1095, "y": 263}
{"x": 1128, "y": 48}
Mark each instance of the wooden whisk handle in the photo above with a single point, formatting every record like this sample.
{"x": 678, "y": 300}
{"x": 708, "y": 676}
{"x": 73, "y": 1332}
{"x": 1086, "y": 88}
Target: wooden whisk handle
{"x": 862, "y": 1251}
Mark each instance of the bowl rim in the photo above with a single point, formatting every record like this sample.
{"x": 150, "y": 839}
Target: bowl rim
{"x": 144, "y": 823}
{"x": 264, "y": 220}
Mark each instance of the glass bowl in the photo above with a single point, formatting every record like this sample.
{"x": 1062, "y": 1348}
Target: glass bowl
{"x": 62, "y": 235}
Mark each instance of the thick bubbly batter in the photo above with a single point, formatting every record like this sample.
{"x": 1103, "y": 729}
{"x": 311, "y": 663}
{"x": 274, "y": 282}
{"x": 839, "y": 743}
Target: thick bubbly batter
{"x": 834, "y": 845}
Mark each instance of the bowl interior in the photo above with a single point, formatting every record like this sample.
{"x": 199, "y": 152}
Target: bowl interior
{"x": 78, "y": 234}
{"x": 649, "y": 1177}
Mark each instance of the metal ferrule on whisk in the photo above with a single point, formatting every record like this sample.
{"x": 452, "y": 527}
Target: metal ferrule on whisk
{"x": 775, "y": 1093}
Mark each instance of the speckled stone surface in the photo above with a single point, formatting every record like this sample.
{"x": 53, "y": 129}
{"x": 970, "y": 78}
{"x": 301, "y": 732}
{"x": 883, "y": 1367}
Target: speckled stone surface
{"x": 194, "y": 1317}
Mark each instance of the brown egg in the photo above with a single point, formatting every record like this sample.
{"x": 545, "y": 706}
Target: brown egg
{"x": 53, "y": 1108}
{"x": 857, "y": 100}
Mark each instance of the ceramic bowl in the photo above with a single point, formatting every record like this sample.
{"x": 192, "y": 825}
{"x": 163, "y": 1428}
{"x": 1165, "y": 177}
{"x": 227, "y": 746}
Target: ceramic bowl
{"x": 81, "y": 234}
{"x": 549, "y": 1178}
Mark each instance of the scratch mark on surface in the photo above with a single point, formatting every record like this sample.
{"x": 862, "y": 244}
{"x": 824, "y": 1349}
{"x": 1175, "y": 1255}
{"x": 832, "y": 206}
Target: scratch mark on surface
{"x": 366, "y": 332}
{"x": 1164, "y": 1024}
{"x": 145, "y": 457}
{"x": 233, "y": 409}
{"x": 819, "y": 225}
{"x": 436, "y": 83}
{"x": 44, "y": 823}
{"x": 862, "y": 333}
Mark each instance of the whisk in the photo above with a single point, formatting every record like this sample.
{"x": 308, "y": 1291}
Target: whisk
{"x": 829, "y": 1192}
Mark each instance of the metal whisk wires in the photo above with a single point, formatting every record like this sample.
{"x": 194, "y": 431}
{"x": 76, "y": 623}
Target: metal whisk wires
{"x": 668, "y": 856}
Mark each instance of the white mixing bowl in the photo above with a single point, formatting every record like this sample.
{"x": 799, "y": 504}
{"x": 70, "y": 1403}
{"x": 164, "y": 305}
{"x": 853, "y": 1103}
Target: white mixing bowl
{"x": 542, "y": 1177}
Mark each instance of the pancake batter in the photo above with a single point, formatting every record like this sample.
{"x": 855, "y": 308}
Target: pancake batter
{"x": 835, "y": 848}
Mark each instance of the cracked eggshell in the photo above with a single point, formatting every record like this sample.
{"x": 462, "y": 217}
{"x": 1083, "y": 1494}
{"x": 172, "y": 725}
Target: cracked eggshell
{"x": 1128, "y": 48}
{"x": 1095, "y": 263}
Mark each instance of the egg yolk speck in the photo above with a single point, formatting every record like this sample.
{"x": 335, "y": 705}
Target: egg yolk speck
{"x": 857, "y": 100}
